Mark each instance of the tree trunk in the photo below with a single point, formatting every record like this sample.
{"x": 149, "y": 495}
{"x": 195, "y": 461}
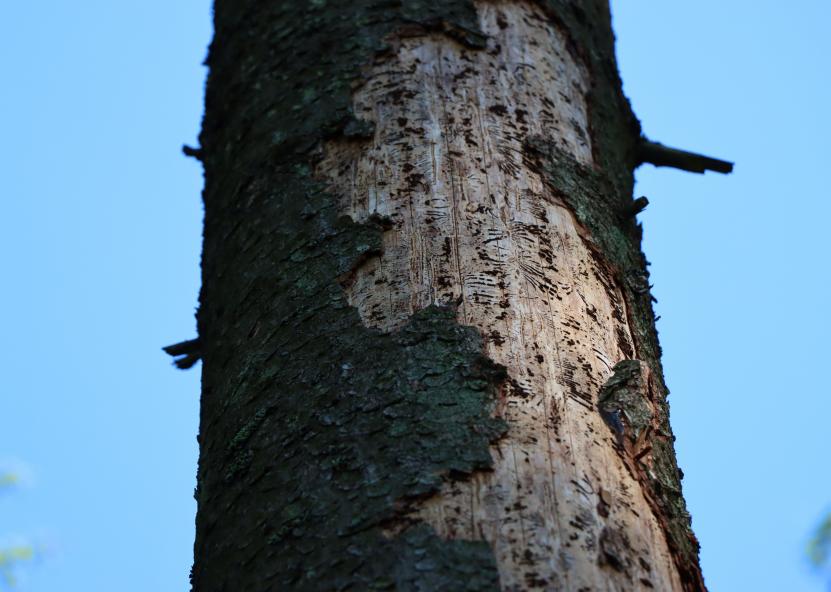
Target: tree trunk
{"x": 429, "y": 352}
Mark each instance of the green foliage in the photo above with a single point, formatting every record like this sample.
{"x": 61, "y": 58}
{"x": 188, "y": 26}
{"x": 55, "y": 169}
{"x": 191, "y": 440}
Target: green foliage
{"x": 11, "y": 557}
{"x": 819, "y": 547}
{"x": 8, "y": 479}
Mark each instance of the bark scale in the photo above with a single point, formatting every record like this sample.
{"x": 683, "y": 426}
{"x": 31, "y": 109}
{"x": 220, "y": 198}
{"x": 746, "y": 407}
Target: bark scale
{"x": 429, "y": 356}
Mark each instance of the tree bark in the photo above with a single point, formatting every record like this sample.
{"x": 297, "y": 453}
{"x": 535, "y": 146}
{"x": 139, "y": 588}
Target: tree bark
{"x": 429, "y": 354}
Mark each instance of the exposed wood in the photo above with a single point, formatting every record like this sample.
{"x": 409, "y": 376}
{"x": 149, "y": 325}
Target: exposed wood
{"x": 470, "y": 221}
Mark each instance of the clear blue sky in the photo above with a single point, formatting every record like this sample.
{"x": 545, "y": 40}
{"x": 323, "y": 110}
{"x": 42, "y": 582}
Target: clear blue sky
{"x": 99, "y": 247}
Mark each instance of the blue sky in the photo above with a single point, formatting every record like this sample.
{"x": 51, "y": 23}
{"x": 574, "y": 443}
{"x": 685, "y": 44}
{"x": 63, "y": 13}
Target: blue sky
{"x": 99, "y": 245}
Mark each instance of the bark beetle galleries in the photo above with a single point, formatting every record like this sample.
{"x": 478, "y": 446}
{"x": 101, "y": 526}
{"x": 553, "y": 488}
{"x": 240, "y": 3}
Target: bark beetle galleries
{"x": 404, "y": 346}
{"x": 473, "y": 222}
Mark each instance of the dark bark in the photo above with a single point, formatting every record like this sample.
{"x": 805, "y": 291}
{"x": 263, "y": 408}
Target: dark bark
{"x": 314, "y": 428}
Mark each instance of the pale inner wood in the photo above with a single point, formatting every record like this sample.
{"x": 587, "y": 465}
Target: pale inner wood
{"x": 473, "y": 224}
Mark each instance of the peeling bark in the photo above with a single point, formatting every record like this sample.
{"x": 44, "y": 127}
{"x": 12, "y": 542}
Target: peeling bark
{"x": 473, "y": 222}
{"x": 429, "y": 355}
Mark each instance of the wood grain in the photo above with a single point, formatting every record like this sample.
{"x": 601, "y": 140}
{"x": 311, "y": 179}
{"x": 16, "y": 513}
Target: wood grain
{"x": 469, "y": 221}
